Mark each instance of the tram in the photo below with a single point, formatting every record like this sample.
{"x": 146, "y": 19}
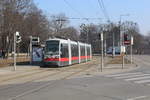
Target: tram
{"x": 61, "y": 52}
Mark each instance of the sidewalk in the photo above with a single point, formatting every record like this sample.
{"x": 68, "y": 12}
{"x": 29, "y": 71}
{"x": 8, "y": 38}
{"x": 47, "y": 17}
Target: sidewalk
{"x": 10, "y": 70}
{"x": 94, "y": 70}
{"x": 109, "y": 69}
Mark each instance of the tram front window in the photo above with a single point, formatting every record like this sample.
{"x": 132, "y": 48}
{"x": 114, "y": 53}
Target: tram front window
{"x": 52, "y": 48}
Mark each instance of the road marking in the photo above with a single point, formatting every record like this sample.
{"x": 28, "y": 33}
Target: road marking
{"x": 136, "y": 98}
{"x": 132, "y": 76}
{"x": 124, "y": 74}
{"x": 138, "y": 78}
{"x": 142, "y": 81}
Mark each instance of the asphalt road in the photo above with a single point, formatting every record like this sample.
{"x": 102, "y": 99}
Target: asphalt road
{"x": 132, "y": 85}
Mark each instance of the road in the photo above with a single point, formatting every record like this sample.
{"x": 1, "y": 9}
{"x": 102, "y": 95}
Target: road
{"x": 131, "y": 85}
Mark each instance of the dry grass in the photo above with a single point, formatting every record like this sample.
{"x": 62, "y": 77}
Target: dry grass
{"x": 8, "y": 62}
{"x": 118, "y": 60}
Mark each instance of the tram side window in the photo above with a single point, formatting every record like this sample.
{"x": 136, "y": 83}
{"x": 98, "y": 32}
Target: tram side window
{"x": 88, "y": 51}
{"x": 64, "y": 51}
{"x": 74, "y": 50}
{"x": 82, "y": 50}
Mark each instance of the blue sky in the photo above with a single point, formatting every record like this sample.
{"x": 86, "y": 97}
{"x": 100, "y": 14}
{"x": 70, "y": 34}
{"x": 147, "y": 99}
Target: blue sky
{"x": 138, "y": 10}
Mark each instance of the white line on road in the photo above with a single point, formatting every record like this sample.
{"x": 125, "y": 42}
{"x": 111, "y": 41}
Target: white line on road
{"x": 124, "y": 74}
{"x": 136, "y": 98}
{"x": 132, "y": 76}
{"x": 138, "y": 78}
{"x": 142, "y": 81}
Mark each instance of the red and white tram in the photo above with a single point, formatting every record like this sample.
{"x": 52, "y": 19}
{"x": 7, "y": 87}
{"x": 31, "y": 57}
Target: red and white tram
{"x": 62, "y": 52}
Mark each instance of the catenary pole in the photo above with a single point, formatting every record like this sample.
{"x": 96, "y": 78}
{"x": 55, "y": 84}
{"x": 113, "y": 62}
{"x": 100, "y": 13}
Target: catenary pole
{"x": 102, "y": 59}
{"x": 131, "y": 49}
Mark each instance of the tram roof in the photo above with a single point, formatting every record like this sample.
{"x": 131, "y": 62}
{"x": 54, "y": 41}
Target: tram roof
{"x": 66, "y": 41}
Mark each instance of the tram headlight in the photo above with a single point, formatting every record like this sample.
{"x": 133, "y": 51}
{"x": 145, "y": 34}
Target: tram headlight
{"x": 57, "y": 56}
{"x": 46, "y": 56}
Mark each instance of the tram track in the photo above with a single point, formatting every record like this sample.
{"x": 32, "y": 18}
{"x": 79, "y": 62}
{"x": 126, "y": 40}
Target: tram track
{"x": 37, "y": 72}
{"x": 47, "y": 75}
{"x": 85, "y": 68}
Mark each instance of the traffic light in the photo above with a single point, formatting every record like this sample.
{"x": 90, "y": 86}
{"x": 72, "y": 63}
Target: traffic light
{"x": 18, "y": 37}
{"x": 127, "y": 39}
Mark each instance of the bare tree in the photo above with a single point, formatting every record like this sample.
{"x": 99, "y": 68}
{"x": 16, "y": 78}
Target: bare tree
{"x": 57, "y": 23}
{"x": 12, "y": 15}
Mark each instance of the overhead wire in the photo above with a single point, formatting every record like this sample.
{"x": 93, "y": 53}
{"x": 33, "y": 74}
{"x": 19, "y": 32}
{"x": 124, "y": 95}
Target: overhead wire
{"x": 103, "y": 9}
{"x": 84, "y": 18}
{"x": 68, "y": 4}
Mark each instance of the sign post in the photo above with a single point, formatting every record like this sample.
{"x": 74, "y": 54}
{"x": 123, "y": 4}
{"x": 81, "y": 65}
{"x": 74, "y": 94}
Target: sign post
{"x": 123, "y": 50}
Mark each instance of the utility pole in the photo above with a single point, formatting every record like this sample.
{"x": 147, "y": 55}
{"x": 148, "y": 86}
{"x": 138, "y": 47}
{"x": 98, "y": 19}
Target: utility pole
{"x": 105, "y": 43}
{"x": 60, "y": 20}
{"x": 30, "y": 49}
{"x": 15, "y": 51}
{"x": 102, "y": 59}
{"x": 87, "y": 32}
{"x": 105, "y": 47}
{"x": 113, "y": 46}
{"x": 106, "y": 27}
{"x": 122, "y": 46}
{"x": 131, "y": 50}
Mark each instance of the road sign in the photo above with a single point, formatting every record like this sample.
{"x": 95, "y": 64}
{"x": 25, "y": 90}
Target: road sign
{"x": 18, "y": 37}
{"x": 123, "y": 49}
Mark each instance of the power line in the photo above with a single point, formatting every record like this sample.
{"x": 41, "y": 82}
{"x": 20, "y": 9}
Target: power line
{"x": 80, "y": 18}
{"x": 105, "y": 9}
{"x": 67, "y": 3}
{"x": 102, "y": 7}
{"x": 87, "y": 18}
